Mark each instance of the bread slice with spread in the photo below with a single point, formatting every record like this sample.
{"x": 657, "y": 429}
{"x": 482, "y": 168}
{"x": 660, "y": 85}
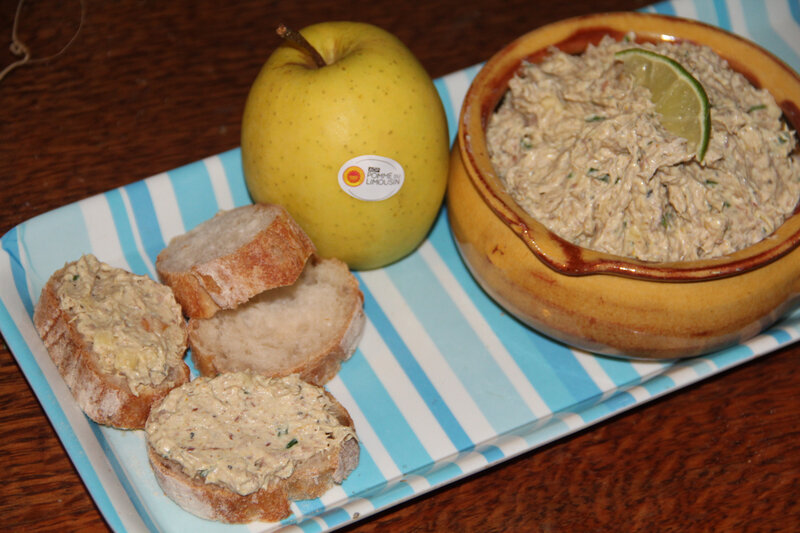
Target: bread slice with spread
{"x": 238, "y": 447}
{"x": 117, "y": 339}
{"x": 228, "y": 259}
{"x": 308, "y": 328}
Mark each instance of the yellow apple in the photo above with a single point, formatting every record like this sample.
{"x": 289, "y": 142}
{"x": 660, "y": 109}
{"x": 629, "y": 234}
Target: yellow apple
{"x": 356, "y": 150}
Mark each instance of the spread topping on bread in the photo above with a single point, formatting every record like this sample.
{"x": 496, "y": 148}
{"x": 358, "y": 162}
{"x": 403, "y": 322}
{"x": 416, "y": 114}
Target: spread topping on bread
{"x": 244, "y": 431}
{"x": 129, "y": 319}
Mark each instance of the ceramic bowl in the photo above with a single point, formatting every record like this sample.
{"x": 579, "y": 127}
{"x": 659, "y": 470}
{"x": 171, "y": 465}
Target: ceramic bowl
{"x": 600, "y": 302}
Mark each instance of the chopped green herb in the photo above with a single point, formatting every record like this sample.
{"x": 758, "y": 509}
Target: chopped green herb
{"x": 665, "y": 219}
{"x": 526, "y": 143}
{"x": 591, "y": 170}
{"x": 711, "y": 182}
{"x": 756, "y": 108}
{"x": 782, "y": 139}
{"x": 569, "y": 176}
{"x": 617, "y": 180}
{"x": 595, "y": 118}
{"x": 725, "y": 204}
{"x": 75, "y": 277}
{"x": 604, "y": 178}
{"x": 291, "y": 443}
{"x": 283, "y": 431}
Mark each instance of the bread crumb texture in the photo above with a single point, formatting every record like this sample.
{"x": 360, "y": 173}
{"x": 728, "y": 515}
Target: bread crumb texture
{"x": 280, "y": 331}
{"x": 221, "y": 235}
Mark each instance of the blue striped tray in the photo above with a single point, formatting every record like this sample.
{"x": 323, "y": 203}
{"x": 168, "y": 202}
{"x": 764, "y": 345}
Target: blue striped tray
{"x": 444, "y": 383}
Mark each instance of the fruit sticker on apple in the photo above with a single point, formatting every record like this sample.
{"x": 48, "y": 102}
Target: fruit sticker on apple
{"x": 371, "y": 178}
{"x": 345, "y": 128}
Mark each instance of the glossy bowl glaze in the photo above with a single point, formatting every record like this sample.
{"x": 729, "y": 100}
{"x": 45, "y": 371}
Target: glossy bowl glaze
{"x": 596, "y": 301}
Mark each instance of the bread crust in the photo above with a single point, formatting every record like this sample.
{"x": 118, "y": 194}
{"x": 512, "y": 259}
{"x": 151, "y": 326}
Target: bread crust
{"x": 216, "y": 502}
{"x": 274, "y": 257}
{"x": 106, "y": 399}
{"x": 317, "y": 368}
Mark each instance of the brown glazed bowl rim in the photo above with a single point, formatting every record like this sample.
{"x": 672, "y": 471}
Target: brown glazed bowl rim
{"x": 572, "y": 35}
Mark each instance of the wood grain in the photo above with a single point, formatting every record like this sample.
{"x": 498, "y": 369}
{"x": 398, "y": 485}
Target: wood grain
{"x": 148, "y": 86}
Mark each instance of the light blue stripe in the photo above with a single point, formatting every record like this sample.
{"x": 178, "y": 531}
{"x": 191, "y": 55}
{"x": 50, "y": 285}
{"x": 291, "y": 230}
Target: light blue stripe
{"x": 723, "y": 19}
{"x": 123, "y": 478}
{"x": 414, "y": 372}
{"x": 449, "y": 108}
{"x": 367, "y": 476}
{"x": 779, "y": 335}
{"x": 443, "y": 473}
{"x": 703, "y": 367}
{"x": 46, "y": 254}
{"x": 125, "y": 233}
{"x": 309, "y": 526}
{"x": 459, "y": 345}
{"x": 146, "y": 220}
{"x": 232, "y": 164}
{"x": 731, "y": 356}
{"x": 383, "y": 415}
{"x": 707, "y": 11}
{"x": 552, "y": 429}
{"x": 311, "y": 507}
{"x": 335, "y": 516}
{"x": 665, "y": 8}
{"x": 390, "y": 495}
{"x": 57, "y": 417}
{"x": 521, "y": 343}
{"x": 576, "y": 379}
{"x": 10, "y": 245}
{"x": 618, "y": 402}
{"x": 492, "y": 454}
{"x": 658, "y": 384}
{"x": 194, "y": 193}
{"x": 609, "y": 406}
{"x": 472, "y": 71}
{"x": 620, "y": 371}
{"x": 758, "y": 25}
{"x": 794, "y": 9}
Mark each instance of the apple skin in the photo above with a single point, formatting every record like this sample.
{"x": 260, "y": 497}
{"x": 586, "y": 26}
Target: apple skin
{"x": 302, "y": 123}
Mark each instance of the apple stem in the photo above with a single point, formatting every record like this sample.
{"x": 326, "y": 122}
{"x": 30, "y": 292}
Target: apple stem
{"x": 295, "y": 38}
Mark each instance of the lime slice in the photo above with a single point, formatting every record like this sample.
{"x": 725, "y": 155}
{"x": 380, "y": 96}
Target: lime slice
{"x": 678, "y": 96}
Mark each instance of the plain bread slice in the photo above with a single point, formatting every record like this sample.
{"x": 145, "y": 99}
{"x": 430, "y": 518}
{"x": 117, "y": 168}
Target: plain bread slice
{"x": 228, "y": 259}
{"x": 308, "y": 328}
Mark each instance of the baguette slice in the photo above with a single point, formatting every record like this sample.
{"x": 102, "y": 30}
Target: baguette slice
{"x": 308, "y": 328}
{"x": 236, "y": 448}
{"x": 117, "y": 339}
{"x": 233, "y": 256}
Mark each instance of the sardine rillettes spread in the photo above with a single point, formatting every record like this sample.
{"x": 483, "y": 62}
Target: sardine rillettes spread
{"x": 580, "y": 147}
{"x": 129, "y": 319}
{"x": 244, "y": 431}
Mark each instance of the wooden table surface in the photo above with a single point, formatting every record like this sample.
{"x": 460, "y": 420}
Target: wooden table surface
{"x": 148, "y": 86}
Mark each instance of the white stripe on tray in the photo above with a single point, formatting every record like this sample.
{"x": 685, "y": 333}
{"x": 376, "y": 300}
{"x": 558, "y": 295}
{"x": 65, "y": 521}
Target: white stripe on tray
{"x": 166, "y": 206}
{"x": 455, "y": 395}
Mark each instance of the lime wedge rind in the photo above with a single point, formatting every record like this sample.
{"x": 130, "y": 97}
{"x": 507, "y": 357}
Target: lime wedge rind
{"x": 678, "y": 96}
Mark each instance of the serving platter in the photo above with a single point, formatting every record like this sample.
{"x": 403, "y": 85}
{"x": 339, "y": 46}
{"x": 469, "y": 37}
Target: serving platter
{"x": 444, "y": 383}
